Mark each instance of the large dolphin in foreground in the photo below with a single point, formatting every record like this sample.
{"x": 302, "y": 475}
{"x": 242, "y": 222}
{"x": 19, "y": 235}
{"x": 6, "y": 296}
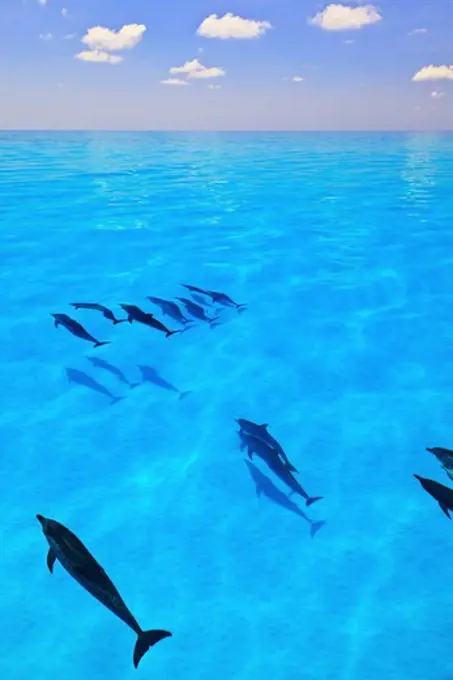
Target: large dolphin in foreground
{"x": 81, "y": 565}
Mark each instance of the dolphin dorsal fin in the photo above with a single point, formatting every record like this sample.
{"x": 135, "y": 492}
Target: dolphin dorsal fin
{"x": 265, "y": 426}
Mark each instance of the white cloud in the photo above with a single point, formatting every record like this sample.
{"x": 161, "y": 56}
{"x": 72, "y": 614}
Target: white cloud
{"x": 437, "y": 95}
{"x": 43, "y": 3}
{"x": 98, "y": 56}
{"x": 45, "y": 36}
{"x": 337, "y": 17}
{"x": 188, "y": 67}
{"x": 348, "y": 42}
{"x": 69, "y": 36}
{"x": 194, "y": 69}
{"x": 418, "y": 31}
{"x": 230, "y": 26}
{"x": 64, "y": 12}
{"x": 174, "y": 81}
{"x": 297, "y": 79}
{"x": 214, "y": 87}
{"x": 214, "y": 72}
{"x": 103, "y": 39}
{"x": 434, "y": 73}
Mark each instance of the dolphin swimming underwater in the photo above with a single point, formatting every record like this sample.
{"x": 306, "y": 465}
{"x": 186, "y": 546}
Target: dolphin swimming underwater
{"x": 196, "y": 310}
{"x": 113, "y": 370}
{"x": 105, "y": 311}
{"x": 442, "y": 494}
{"x": 81, "y": 565}
{"x": 278, "y": 467}
{"x": 82, "y": 378}
{"x": 266, "y": 487}
{"x": 134, "y": 313}
{"x": 170, "y": 308}
{"x": 76, "y": 329}
{"x": 261, "y": 432}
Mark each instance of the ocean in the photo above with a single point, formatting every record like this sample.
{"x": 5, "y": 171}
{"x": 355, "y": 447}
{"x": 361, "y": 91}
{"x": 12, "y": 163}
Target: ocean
{"x": 341, "y": 246}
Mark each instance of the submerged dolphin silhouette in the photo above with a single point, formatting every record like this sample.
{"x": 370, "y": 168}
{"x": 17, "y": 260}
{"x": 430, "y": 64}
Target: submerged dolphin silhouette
{"x": 102, "y": 363}
{"x": 278, "y": 467}
{"x": 149, "y": 374}
{"x": 266, "y": 487}
{"x": 105, "y": 311}
{"x": 81, "y": 565}
{"x": 81, "y": 378}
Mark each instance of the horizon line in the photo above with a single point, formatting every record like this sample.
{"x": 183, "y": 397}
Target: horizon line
{"x": 230, "y": 131}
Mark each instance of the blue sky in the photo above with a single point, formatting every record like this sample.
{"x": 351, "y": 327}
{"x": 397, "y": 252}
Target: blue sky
{"x": 297, "y": 65}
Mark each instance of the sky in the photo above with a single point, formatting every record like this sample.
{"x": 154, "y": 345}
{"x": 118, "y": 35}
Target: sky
{"x": 226, "y": 65}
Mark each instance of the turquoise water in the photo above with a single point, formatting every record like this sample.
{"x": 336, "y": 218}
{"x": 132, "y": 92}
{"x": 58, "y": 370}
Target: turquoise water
{"x": 342, "y": 247}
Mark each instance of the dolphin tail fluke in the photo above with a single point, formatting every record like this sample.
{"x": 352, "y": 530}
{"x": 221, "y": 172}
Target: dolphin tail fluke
{"x": 145, "y": 641}
{"x": 115, "y": 400}
{"x": 309, "y": 501}
{"x": 167, "y": 335}
{"x": 315, "y": 527}
{"x": 241, "y": 308}
{"x": 183, "y": 395}
{"x": 115, "y": 321}
{"x": 132, "y": 385}
{"x": 100, "y": 344}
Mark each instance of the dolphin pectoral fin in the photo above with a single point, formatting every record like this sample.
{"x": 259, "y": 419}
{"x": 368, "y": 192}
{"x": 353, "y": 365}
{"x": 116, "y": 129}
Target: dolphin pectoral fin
{"x": 145, "y": 641}
{"x": 51, "y": 557}
{"x": 258, "y": 490}
{"x": 250, "y": 454}
{"x": 444, "y": 509}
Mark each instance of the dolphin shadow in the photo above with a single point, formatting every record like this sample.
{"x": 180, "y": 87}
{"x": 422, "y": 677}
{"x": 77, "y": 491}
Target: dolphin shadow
{"x": 113, "y": 370}
{"x": 80, "y": 378}
{"x": 267, "y": 487}
{"x": 149, "y": 374}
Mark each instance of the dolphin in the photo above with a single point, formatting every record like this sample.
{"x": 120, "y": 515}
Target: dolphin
{"x": 278, "y": 467}
{"x": 442, "y": 494}
{"x": 73, "y": 556}
{"x": 149, "y": 374}
{"x": 224, "y": 300}
{"x": 102, "y": 363}
{"x": 171, "y": 309}
{"x": 76, "y": 329}
{"x": 195, "y": 310}
{"x": 444, "y": 456}
{"x": 195, "y": 289}
{"x": 106, "y": 312}
{"x": 134, "y": 313}
{"x": 159, "y": 326}
{"x": 261, "y": 432}
{"x": 81, "y": 378}
{"x": 266, "y": 487}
